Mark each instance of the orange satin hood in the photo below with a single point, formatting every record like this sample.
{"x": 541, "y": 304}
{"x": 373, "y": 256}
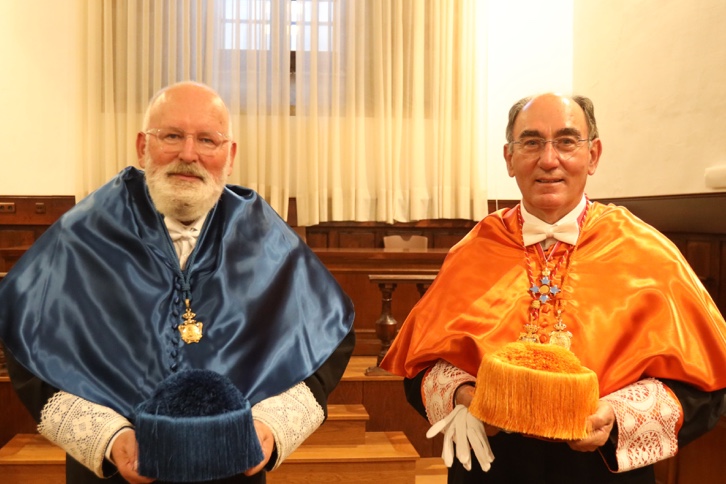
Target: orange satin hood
{"x": 631, "y": 301}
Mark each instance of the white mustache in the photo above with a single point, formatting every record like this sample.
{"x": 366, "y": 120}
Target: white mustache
{"x": 187, "y": 170}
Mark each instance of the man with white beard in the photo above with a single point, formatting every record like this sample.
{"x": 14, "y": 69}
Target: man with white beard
{"x": 98, "y": 317}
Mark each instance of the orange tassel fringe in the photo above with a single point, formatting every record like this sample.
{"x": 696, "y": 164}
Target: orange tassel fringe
{"x": 536, "y": 389}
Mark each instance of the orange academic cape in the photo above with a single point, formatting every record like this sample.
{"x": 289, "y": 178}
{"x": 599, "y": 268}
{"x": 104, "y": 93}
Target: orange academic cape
{"x": 633, "y": 304}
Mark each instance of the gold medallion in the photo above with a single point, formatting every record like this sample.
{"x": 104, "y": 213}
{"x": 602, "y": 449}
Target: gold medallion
{"x": 191, "y": 330}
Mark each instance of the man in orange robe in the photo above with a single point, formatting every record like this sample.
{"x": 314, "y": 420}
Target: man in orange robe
{"x": 559, "y": 268}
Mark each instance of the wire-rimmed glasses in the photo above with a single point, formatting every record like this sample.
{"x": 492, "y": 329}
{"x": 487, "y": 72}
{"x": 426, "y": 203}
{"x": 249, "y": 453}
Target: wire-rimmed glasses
{"x": 172, "y": 140}
{"x": 566, "y": 146}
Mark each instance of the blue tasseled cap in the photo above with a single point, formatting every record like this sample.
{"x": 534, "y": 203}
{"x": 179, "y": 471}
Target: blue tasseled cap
{"x": 196, "y": 427}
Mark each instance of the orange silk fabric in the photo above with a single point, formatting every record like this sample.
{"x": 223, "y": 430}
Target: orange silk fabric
{"x": 633, "y": 304}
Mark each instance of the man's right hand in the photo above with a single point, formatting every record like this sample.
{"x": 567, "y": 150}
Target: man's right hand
{"x": 463, "y": 396}
{"x": 125, "y": 455}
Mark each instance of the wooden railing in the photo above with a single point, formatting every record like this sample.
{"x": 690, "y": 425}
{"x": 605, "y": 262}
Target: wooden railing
{"x": 386, "y": 325}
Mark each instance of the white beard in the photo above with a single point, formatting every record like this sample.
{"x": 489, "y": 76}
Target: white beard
{"x": 182, "y": 200}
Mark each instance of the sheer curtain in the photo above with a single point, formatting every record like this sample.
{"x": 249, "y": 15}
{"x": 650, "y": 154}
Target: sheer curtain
{"x": 364, "y": 110}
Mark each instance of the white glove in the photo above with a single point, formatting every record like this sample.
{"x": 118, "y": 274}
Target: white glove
{"x": 468, "y": 433}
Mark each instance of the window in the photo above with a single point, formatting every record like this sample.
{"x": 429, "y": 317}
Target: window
{"x": 253, "y": 25}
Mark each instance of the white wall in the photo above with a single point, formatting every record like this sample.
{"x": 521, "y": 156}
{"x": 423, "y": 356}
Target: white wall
{"x": 41, "y": 95}
{"x": 529, "y": 51}
{"x": 656, "y": 70}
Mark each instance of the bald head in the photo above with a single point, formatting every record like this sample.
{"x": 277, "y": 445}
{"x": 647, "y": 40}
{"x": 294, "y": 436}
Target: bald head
{"x": 189, "y": 93}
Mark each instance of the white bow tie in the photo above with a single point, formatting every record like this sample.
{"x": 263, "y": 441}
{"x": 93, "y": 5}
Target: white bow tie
{"x": 533, "y": 232}
{"x": 184, "y": 242}
{"x": 188, "y": 234}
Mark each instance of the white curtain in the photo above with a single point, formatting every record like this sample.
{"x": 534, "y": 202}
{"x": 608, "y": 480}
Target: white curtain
{"x": 374, "y": 117}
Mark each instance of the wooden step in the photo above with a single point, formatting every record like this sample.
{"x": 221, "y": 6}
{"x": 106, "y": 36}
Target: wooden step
{"x": 384, "y": 457}
{"x": 431, "y": 470}
{"x": 31, "y": 459}
{"x": 346, "y": 424}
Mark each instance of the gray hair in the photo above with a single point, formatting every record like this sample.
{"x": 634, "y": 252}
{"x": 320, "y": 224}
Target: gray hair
{"x": 585, "y": 103}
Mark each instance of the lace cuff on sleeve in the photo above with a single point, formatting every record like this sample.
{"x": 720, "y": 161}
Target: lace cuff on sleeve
{"x": 438, "y": 388}
{"x": 647, "y": 416}
{"x": 292, "y": 416}
{"x": 81, "y": 428}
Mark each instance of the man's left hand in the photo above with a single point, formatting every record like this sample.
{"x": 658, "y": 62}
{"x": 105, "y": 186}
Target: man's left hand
{"x": 267, "y": 442}
{"x": 602, "y": 422}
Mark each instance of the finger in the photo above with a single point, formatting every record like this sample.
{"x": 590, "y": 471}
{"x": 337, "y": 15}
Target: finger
{"x": 448, "y": 448}
{"x": 436, "y": 428}
{"x": 443, "y": 423}
{"x": 479, "y": 443}
{"x": 463, "y": 451}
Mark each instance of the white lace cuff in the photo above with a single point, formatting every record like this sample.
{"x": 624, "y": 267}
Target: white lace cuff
{"x": 292, "y": 416}
{"x": 438, "y": 387}
{"x": 647, "y": 416}
{"x": 81, "y": 428}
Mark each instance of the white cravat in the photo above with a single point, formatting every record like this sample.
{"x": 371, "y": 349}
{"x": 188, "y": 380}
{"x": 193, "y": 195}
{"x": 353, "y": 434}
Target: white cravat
{"x": 567, "y": 229}
{"x": 184, "y": 237}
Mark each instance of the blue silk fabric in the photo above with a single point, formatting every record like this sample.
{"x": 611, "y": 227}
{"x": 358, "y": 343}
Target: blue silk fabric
{"x": 93, "y": 306}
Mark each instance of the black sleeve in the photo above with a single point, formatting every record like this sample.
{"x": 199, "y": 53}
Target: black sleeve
{"x": 701, "y": 410}
{"x": 327, "y": 377}
{"x": 412, "y": 387}
{"x": 32, "y": 391}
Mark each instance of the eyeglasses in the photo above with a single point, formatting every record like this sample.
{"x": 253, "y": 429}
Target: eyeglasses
{"x": 173, "y": 140}
{"x": 564, "y": 145}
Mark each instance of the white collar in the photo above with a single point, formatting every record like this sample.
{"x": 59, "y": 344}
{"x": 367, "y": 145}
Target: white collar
{"x": 566, "y": 229}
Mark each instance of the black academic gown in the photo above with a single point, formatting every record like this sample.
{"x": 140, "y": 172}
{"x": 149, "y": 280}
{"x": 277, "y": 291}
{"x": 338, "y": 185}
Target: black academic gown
{"x": 526, "y": 460}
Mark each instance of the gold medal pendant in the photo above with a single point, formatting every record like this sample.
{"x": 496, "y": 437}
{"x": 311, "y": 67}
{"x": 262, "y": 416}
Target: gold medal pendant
{"x": 560, "y": 336}
{"x": 191, "y": 330}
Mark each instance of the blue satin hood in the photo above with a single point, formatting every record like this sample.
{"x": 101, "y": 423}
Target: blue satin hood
{"x": 92, "y": 307}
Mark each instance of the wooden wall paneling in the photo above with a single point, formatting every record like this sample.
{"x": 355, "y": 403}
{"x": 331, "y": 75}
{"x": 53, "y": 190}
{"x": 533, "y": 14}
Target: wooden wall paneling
{"x": 9, "y": 256}
{"x": 35, "y": 210}
{"x": 680, "y": 241}
{"x": 706, "y": 254}
{"x": 386, "y": 404}
{"x": 441, "y": 233}
{"x": 356, "y": 239}
{"x": 31, "y": 217}
{"x": 317, "y": 239}
{"x": 367, "y": 302}
{"x": 445, "y": 240}
{"x": 14, "y": 417}
{"x": 17, "y": 238}
{"x": 351, "y": 268}
{"x": 347, "y": 392}
{"x": 665, "y": 471}
{"x": 704, "y": 460}
{"x": 695, "y": 213}
{"x": 703, "y": 256}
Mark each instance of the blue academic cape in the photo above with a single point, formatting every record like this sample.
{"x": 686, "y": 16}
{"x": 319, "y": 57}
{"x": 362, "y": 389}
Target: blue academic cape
{"x": 93, "y": 306}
